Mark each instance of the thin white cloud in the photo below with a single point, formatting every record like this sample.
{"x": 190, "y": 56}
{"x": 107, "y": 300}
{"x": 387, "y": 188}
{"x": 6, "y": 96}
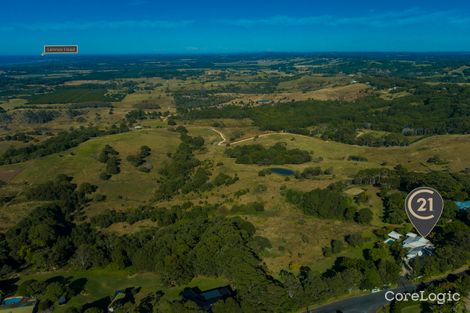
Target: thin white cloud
{"x": 402, "y": 18}
{"x": 96, "y": 25}
{"x": 408, "y": 17}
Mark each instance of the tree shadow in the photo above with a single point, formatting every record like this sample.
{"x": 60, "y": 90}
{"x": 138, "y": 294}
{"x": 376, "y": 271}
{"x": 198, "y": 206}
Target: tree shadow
{"x": 8, "y": 286}
{"x": 102, "y": 303}
{"x": 78, "y": 285}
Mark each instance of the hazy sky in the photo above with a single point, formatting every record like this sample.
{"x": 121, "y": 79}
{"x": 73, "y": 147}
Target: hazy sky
{"x": 144, "y": 26}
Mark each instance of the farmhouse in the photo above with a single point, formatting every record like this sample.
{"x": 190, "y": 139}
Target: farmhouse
{"x": 416, "y": 245}
{"x": 416, "y": 242}
{"x": 206, "y": 299}
{"x": 419, "y": 251}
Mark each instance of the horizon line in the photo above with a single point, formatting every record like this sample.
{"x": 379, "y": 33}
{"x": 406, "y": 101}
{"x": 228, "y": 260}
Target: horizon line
{"x": 240, "y": 52}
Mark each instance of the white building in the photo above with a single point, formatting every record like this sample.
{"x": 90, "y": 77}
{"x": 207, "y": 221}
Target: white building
{"x": 395, "y": 235}
{"x": 416, "y": 242}
{"x": 413, "y": 253}
{"x": 417, "y": 245}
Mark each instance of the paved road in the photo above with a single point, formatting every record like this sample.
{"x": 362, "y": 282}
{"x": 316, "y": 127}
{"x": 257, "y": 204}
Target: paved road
{"x": 372, "y": 302}
{"x": 362, "y": 304}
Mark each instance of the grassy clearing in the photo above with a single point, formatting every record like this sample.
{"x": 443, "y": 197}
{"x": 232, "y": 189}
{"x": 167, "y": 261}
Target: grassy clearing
{"x": 298, "y": 239}
{"x": 103, "y": 282}
{"x": 312, "y": 82}
{"x": 131, "y": 185}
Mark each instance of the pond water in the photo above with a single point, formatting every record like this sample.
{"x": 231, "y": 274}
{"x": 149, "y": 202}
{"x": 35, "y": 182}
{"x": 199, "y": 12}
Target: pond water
{"x": 282, "y": 171}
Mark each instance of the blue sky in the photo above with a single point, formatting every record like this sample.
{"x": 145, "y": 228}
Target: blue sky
{"x": 144, "y": 26}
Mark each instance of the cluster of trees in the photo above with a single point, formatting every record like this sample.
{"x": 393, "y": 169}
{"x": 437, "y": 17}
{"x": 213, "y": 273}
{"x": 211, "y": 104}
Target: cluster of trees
{"x": 328, "y": 203}
{"x": 452, "y": 186}
{"x": 357, "y": 158}
{"x": 110, "y": 157}
{"x": 348, "y": 133}
{"x": 379, "y": 177}
{"x": 20, "y": 136}
{"x": 394, "y": 203}
{"x": 388, "y": 140}
{"x": 396, "y": 183}
{"x": 138, "y": 160}
{"x": 39, "y": 117}
{"x": 276, "y": 154}
{"x": 248, "y": 208}
{"x": 312, "y": 172}
{"x": 47, "y": 237}
{"x": 223, "y": 179}
{"x": 137, "y": 115}
{"x": 184, "y": 246}
{"x": 452, "y": 247}
{"x": 183, "y": 172}
{"x": 449, "y": 107}
{"x": 163, "y": 216}
{"x": 4, "y": 117}
{"x": 49, "y": 291}
{"x": 199, "y": 98}
{"x": 147, "y": 105}
{"x": 453, "y": 284}
{"x": 375, "y": 270}
{"x": 60, "y": 142}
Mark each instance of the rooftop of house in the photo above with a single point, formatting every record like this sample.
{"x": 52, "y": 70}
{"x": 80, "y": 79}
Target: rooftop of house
{"x": 205, "y": 299}
{"x": 414, "y": 242}
{"x": 393, "y": 234}
{"x": 419, "y": 251}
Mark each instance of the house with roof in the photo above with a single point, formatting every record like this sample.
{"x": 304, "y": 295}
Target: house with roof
{"x": 416, "y": 242}
{"x": 419, "y": 251}
{"x": 205, "y": 299}
{"x": 392, "y": 237}
{"x": 417, "y": 246}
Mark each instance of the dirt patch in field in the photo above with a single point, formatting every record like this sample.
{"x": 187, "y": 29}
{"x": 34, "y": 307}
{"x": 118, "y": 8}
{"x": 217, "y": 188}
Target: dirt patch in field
{"x": 7, "y": 174}
{"x": 85, "y": 82}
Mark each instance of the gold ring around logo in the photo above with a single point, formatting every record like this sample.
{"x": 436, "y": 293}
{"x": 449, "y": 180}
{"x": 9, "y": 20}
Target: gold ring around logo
{"x": 410, "y": 201}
